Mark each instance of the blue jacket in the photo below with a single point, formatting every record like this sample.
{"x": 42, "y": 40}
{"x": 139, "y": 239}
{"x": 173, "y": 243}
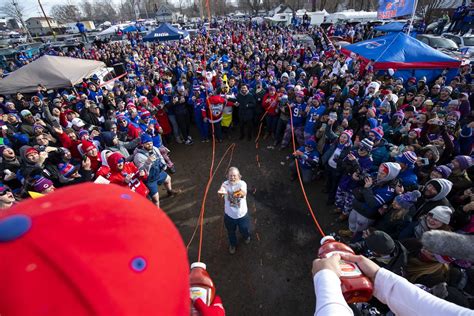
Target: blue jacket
{"x": 372, "y": 199}
{"x": 380, "y": 154}
{"x": 409, "y": 178}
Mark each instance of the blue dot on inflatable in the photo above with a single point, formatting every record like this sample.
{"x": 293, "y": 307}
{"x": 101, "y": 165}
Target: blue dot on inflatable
{"x": 13, "y": 227}
{"x": 138, "y": 264}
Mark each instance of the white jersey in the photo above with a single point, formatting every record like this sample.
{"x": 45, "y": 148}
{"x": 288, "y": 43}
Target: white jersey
{"x": 235, "y": 207}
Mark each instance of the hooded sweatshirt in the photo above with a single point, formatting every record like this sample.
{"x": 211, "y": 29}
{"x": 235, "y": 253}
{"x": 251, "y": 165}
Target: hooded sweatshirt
{"x": 424, "y": 205}
{"x": 114, "y": 175}
{"x": 26, "y": 165}
{"x": 371, "y": 199}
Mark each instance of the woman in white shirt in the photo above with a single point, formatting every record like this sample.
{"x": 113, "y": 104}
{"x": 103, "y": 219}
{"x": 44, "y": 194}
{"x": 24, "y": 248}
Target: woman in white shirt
{"x": 234, "y": 191}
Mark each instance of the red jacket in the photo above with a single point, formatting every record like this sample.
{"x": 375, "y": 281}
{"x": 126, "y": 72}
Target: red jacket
{"x": 114, "y": 175}
{"x": 270, "y": 104}
{"x": 70, "y": 144}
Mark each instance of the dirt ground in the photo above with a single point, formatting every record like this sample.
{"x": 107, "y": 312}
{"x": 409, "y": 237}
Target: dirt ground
{"x": 271, "y": 275}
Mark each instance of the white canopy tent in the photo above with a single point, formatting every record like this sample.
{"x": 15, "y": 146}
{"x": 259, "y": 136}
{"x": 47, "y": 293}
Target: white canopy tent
{"x": 51, "y": 71}
{"x": 113, "y": 29}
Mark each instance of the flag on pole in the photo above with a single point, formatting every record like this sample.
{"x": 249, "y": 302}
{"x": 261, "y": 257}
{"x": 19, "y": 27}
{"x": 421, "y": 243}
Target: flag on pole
{"x": 389, "y": 9}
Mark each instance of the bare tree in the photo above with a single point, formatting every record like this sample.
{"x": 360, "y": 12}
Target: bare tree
{"x": 104, "y": 11}
{"x": 87, "y": 9}
{"x": 15, "y": 10}
{"x": 430, "y": 7}
{"x": 68, "y": 12}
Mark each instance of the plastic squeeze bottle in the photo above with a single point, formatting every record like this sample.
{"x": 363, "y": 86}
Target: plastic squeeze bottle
{"x": 201, "y": 285}
{"x": 356, "y": 287}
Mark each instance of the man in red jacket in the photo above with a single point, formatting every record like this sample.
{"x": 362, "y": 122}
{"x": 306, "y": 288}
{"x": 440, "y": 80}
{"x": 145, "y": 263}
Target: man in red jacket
{"x": 124, "y": 173}
{"x": 213, "y": 114}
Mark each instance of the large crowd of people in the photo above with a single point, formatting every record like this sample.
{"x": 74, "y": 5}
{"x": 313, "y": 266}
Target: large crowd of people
{"x": 395, "y": 152}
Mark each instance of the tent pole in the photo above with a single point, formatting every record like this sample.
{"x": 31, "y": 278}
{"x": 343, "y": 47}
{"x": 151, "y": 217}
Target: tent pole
{"x": 412, "y": 18}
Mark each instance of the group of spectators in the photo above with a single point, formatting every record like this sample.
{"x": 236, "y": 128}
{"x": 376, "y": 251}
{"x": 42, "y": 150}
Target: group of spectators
{"x": 395, "y": 152}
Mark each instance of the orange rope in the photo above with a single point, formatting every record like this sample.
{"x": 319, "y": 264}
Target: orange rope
{"x": 201, "y": 214}
{"x": 260, "y": 129}
{"x": 299, "y": 177}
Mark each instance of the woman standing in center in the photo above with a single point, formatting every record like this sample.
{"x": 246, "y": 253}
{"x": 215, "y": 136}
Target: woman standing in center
{"x": 234, "y": 191}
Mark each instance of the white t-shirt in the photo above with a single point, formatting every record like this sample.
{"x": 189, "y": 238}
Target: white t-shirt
{"x": 334, "y": 156}
{"x": 235, "y": 207}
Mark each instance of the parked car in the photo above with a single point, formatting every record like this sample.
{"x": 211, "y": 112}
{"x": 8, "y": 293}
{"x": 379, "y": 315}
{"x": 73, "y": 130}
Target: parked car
{"x": 465, "y": 43}
{"x": 442, "y": 44}
{"x": 303, "y": 40}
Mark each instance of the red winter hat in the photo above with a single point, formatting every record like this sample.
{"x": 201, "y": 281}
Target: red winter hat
{"x": 108, "y": 251}
{"x": 87, "y": 145}
{"x": 348, "y": 132}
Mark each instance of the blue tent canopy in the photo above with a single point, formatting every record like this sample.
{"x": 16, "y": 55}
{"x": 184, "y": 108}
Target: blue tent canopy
{"x": 165, "y": 32}
{"x": 405, "y": 54}
{"x": 390, "y": 27}
{"x": 133, "y": 28}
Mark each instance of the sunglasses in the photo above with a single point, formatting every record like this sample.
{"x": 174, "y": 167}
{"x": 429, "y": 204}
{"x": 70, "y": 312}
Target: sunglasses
{"x": 4, "y": 192}
{"x": 121, "y": 160}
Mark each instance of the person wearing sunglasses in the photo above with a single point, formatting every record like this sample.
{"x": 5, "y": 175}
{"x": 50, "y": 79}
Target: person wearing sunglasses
{"x": 7, "y": 199}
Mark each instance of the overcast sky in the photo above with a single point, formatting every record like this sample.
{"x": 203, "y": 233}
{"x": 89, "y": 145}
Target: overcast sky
{"x": 32, "y": 7}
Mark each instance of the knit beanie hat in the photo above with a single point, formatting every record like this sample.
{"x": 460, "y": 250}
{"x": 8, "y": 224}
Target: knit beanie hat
{"x": 380, "y": 243}
{"x": 348, "y": 132}
{"x": 87, "y": 145}
{"x": 434, "y": 150}
{"x": 372, "y": 122}
{"x": 443, "y": 170}
{"x": 66, "y": 169}
{"x": 442, "y": 213}
{"x": 146, "y": 138}
{"x": 378, "y": 132}
{"x": 108, "y": 138}
{"x": 2, "y": 148}
{"x": 31, "y": 150}
{"x": 408, "y": 158}
{"x": 407, "y": 200}
{"x": 367, "y": 144}
{"x": 83, "y": 133}
{"x": 42, "y": 184}
{"x": 463, "y": 161}
{"x": 399, "y": 114}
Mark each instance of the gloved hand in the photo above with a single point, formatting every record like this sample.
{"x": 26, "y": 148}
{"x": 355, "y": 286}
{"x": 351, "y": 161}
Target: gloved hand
{"x": 216, "y": 308}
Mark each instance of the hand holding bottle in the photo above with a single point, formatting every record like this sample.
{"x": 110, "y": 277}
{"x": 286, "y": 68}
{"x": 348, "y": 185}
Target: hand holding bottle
{"x": 216, "y": 308}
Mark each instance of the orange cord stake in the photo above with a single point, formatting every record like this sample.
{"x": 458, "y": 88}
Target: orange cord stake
{"x": 299, "y": 177}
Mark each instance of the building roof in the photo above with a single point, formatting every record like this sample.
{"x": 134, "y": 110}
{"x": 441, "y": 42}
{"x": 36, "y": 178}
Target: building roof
{"x": 40, "y": 18}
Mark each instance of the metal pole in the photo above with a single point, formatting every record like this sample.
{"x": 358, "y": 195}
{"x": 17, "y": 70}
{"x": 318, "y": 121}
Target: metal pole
{"x": 412, "y": 18}
{"x": 47, "y": 20}
{"x": 20, "y": 16}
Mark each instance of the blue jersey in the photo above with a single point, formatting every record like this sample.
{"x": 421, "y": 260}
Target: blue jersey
{"x": 298, "y": 113}
{"x": 309, "y": 159}
{"x": 312, "y": 118}
{"x": 383, "y": 195}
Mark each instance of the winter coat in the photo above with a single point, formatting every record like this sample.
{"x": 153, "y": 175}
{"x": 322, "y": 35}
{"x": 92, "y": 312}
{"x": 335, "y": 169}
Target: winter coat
{"x": 380, "y": 154}
{"x": 424, "y": 205}
{"x": 247, "y": 105}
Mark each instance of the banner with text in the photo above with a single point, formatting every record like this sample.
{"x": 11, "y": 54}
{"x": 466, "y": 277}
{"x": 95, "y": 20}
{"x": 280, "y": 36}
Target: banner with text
{"x": 389, "y": 9}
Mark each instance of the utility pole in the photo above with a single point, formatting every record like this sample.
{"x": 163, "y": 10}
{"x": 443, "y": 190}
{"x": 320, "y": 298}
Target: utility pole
{"x": 201, "y": 9}
{"x": 20, "y": 16}
{"x": 47, "y": 20}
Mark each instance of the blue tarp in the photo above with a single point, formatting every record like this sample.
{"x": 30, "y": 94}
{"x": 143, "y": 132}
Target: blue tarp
{"x": 390, "y": 27}
{"x": 405, "y": 54}
{"x": 165, "y": 32}
{"x": 133, "y": 28}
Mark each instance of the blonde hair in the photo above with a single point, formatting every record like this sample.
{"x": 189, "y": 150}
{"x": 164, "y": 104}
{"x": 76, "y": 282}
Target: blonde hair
{"x": 236, "y": 170}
